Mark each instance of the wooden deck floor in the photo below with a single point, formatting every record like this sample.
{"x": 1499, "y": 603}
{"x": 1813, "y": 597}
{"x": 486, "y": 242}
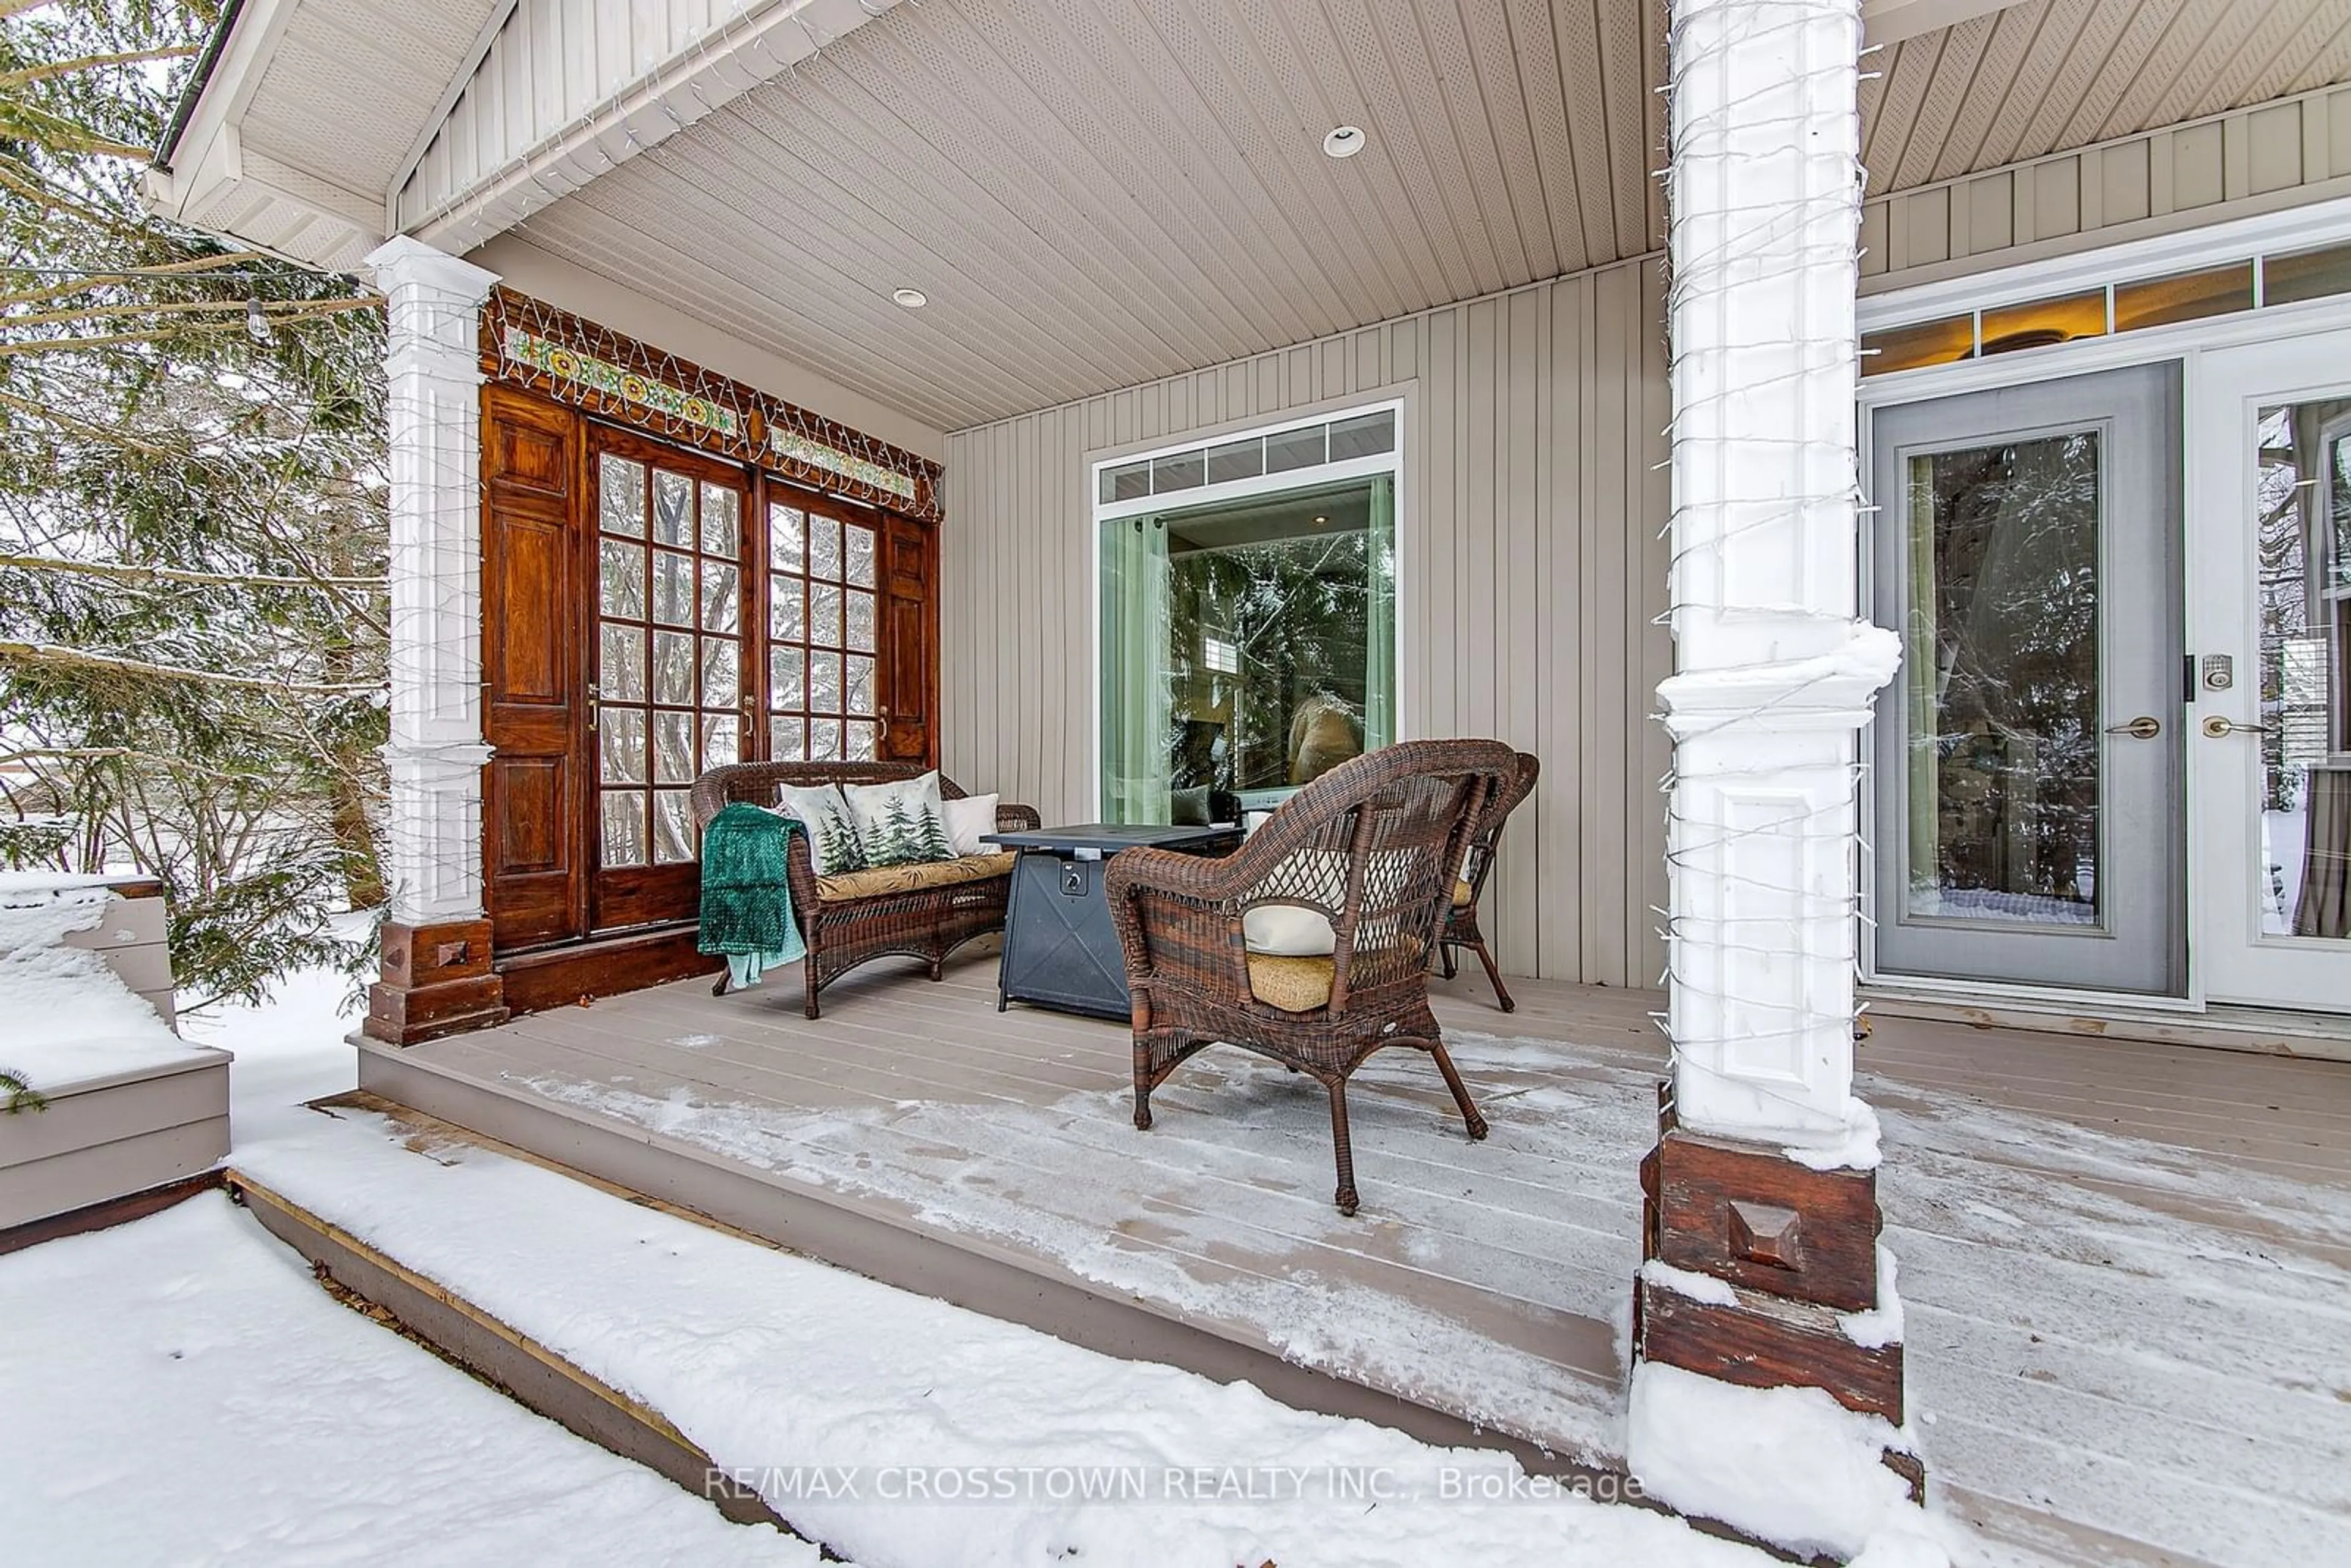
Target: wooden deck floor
{"x": 2123, "y": 1264}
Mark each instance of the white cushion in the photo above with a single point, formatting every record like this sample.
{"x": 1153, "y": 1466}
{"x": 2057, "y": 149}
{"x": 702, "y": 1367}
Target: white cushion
{"x": 900, "y": 822}
{"x": 1284, "y": 930}
{"x": 968, "y": 819}
{"x": 834, "y": 847}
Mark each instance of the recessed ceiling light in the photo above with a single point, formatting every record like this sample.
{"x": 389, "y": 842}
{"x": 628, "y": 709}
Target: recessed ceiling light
{"x": 1343, "y": 140}
{"x": 912, "y": 299}
{"x": 1320, "y": 521}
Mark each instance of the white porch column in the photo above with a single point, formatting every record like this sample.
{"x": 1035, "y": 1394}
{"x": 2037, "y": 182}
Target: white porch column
{"x": 1761, "y": 1267}
{"x": 431, "y": 361}
{"x": 1774, "y": 674}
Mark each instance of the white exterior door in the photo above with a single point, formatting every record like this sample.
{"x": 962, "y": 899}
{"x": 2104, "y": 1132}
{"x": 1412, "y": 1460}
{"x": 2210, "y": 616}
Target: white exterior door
{"x": 2269, "y": 617}
{"x": 2027, "y": 756}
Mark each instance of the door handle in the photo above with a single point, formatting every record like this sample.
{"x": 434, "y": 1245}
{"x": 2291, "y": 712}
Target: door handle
{"x": 2145, "y": 726}
{"x": 884, "y": 713}
{"x": 2221, "y": 728}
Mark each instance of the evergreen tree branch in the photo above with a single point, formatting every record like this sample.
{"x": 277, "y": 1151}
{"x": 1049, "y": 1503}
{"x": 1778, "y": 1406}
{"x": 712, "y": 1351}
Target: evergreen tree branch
{"x": 51, "y": 654}
{"x": 50, "y": 70}
{"x": 121, "y": 573}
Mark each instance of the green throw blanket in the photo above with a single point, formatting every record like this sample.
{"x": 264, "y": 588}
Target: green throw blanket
{"x": 747, "y": 900}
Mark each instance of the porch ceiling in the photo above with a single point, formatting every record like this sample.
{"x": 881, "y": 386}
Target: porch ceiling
{"x": 1097, "y": 192}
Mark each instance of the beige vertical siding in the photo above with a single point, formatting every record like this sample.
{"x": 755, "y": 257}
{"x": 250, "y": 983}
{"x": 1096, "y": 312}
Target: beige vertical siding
{"x": 1534, "y": 496}
{"x": 2258, "y": 158}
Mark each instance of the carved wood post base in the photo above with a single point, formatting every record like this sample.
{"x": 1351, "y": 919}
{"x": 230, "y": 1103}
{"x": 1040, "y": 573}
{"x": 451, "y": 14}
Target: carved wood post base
{"x": 436, "y": 980}
{"x": 1798, "y": 1248}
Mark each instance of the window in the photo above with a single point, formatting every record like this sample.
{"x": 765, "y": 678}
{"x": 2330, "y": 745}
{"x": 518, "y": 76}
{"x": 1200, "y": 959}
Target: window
{"x": 822, "y": 694}
{"x": 1247, "y": 617}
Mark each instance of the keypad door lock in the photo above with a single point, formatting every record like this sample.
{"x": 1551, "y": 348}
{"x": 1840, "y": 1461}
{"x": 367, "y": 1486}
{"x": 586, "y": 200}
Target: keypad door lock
{"x": 2218, "y": 672}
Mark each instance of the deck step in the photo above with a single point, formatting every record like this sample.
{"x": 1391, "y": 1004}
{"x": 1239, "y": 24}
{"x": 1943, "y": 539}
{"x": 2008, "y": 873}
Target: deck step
{"x": 511, "y": 1361}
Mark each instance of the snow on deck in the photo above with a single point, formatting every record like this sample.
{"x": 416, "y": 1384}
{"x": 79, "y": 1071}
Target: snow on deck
{"x": 2128, "y": 1345}
{"x": 847, "y": 1401}
{"x": 221, "y": 1408}
{"x": 65, "y": 1018}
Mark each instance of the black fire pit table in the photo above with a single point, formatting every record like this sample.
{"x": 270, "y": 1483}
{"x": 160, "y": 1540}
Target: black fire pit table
{"x": 1061, "y": 949}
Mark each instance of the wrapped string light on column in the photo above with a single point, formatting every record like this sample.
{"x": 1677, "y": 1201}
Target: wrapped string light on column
{"x": 1774, "y": 672}
{"x": 1761, "y": 1222}
{"x": 433, "y": 371}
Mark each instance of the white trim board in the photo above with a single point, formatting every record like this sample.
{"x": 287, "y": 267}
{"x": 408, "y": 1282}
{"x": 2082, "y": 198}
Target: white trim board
{"x": 1098, "y": 512}
{"x": 2312, "y": 226}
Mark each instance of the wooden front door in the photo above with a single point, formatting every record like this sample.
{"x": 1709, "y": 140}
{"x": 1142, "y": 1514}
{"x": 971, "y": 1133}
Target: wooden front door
{"x": 534, "y": 789}
{"x": 666, "y": 694}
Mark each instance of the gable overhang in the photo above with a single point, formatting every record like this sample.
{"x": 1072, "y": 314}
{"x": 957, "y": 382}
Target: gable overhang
{"x": 508, "y": 105}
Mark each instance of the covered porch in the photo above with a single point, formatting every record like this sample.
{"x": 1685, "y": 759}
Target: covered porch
{"x": 784, "y": 381}
{"x": 2121, "y": 1261}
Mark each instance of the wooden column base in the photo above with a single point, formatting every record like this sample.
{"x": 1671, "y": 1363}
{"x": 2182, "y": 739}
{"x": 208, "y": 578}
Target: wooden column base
{"x": 1798, "y": 1248}
{"x": 436, "y": 980}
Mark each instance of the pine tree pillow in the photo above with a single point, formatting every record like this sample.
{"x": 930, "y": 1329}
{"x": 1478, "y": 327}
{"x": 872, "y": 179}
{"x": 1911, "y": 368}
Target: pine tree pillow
{"x": 900, "y": 824}
{"x": 833, "y": 843}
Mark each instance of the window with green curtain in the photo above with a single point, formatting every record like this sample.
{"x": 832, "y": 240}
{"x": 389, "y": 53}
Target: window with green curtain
{"x": 1248, "y": 647}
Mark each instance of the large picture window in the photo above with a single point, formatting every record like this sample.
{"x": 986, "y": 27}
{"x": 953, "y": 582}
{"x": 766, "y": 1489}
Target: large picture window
{"x": 1248, "y": 616}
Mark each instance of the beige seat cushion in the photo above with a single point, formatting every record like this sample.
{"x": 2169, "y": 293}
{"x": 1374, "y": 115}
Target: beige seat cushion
{"x": 1295, "y": 985}
{"x": 889, "y": 878}
{"x": 1462, "y": 895}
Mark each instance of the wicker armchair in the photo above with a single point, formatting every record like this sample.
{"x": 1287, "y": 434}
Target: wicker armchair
{"x": 1461, "y": 928}
{"x": 1372, "y": 846}
{"x": 843, "y": 932}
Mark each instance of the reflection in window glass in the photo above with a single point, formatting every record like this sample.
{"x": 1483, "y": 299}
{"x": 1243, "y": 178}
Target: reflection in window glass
{"x": 2042, "y": 322}
{"x": 2307, "y": 275}
{"x": 2002, "y": 666}
{"x": 1942, "y": 342}
{"x": 624, "y": 827}
{"x": 1247, "y": 648}
{"x": 621, "y": 495}
{"x": 1183, "y": 471}
{"x": 1295, "y": 449}
{"x": 1235, "y": 460}
{"x": 2303, "y": 553}
{"x": 2190, "y": 296}
{"x": 1362, "y": 436}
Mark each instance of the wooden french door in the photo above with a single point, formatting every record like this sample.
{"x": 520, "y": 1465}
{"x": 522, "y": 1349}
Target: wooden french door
{"x": 666, "y": 696}
{"x": 851, "y": 637}
{"x": 650, "y": 613}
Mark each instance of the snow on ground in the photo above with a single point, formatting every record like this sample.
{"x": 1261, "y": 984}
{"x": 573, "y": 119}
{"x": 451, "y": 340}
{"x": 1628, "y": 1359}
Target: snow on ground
{"x": 224, "y": 1408}
{"x": 65, "y": 1016}
{"x": 180, "y": 1390}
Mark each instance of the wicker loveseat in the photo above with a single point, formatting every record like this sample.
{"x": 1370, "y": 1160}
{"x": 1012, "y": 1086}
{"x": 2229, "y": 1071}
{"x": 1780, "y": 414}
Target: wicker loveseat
{"x": 919, "y": 911}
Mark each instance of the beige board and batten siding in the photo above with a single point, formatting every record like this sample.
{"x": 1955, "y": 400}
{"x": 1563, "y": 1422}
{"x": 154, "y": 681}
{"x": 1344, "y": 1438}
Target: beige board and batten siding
{"x": 1533, "y": 501}
{"x": 2261, "y": 158}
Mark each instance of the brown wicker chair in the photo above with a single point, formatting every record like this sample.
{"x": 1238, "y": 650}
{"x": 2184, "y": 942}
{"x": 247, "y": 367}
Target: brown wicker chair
{"x": 1461, "y": 928}
{"x": 1372, "y": 846}
{"x": 926, "y": 923}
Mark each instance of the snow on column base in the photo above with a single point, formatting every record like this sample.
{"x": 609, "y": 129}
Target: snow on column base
{"x": 1790, "y": 1466}
{"x": 1762, "y": 1278}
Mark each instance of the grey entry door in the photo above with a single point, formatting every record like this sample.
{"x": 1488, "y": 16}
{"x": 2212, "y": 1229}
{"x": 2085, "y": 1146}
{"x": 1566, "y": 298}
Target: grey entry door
{"x": 2027, "y": 546}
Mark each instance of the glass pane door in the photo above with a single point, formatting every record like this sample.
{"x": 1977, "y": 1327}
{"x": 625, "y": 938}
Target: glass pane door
{"x": 2027, "y": 758}
{"x": 2270, "y": 746}
{"x": 668, "y": 668}
{"x": 824, "y": 699}
{"x": 2001, "y": 645}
